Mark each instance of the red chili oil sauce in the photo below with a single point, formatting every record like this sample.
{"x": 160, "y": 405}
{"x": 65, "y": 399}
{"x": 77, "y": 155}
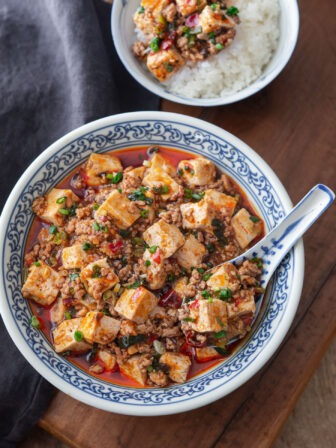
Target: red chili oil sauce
{"x": 128, "y": 157}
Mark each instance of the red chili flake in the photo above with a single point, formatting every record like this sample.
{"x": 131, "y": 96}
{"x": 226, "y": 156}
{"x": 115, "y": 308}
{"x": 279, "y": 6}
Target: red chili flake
{"x": 247, "y": 320}
{"x": 186, "y": 349}
{"x": 237, "y": 300}
{"x": 156, "y": 256}
{"x": 166, "y": 44}
{"x": 83, "y": 175}
{"x": 116, "y": 246}
{"x": 194, "y": 304}
{"x": 193, "y": 342}
{"x": 170, "y": 298}
{"x": 192, "y": 20}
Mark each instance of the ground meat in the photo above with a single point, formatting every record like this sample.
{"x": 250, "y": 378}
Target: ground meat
{"x": 39, "y": 205}
{"x": 159, "y": 378}
{"x": 169, "y": 12}
{"x": 139, "y": 49}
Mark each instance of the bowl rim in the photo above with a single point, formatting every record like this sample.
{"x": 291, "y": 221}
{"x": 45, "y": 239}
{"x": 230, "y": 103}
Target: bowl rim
{"x": 167, "y": 408}
{"x": 257, "y": 85}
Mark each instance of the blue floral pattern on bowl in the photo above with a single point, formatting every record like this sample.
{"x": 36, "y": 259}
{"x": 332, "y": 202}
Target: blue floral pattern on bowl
{"x": 238, "y": 163}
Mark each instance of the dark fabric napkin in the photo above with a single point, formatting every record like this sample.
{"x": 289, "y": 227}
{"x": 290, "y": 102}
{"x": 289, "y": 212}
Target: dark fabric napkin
{"x": 58, "y": 70}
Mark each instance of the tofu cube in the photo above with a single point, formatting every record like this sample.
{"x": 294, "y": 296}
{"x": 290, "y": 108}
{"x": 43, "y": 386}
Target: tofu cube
{"x": 157, "y": 178}
{"x": 191, "y": 253}
{"x": 57, "y": 311}
{"x": 75, "y": 257}
{"x": 179, "y": 285}
{"x": 158, "y": 162}
{"x": 166, "y": 236}
{"x": 198, "y": 171}
{"x": 242, "y": 305}
{"x": 156, "y": 273}
{"x": 64, "y": 339}
{"x": 208, "y": 316}
{"x": 99, "y": 164}
{"x": 135, "y": 369}
{"x": 197, "y": 215}
{"x": 107, "y": 359}
{"x": 164, "y": 63}
{"x": 226, "y": 276}
{"x": 55, "y": 200}
{"x": 98, "y": 277}
{"x": 213, "y": 20}
{"x": 42, "y": 285}
{"x": 96, "y": 327}
{"x": 133, "y": 177}
{"x": 156, "y": 6}
{"x": 136, "y": 304}
{"x": 205, "y": 354}
{"x": 178, "y": 365}
{"x": 187, "y": 7}
{"x": 221, "y": 203}
{"x": 244, "y": 228}
{"x": 118, "y": 207}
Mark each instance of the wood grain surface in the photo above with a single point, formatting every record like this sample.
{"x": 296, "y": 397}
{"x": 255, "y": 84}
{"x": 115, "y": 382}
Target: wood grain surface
{"x": 291, "y": 124}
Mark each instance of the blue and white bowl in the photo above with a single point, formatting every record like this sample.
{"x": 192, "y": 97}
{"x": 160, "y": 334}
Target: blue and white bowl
{"x": 131, "y": 130}
{"x": 122, "y": 27}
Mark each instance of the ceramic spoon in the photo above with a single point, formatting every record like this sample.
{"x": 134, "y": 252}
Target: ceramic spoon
{"x": 278, "y": 242}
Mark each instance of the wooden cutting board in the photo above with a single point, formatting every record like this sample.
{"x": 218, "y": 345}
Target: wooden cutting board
{"x": 291, "y": 124}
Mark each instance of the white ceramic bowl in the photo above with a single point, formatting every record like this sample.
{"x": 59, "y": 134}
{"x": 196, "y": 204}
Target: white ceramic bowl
{"x": 131, "y": 130}
{"x": 124, "y": 36}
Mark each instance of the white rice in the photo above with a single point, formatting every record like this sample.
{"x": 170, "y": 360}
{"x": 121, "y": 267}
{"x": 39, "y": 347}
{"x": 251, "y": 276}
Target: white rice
{"x": 241, "y": 63}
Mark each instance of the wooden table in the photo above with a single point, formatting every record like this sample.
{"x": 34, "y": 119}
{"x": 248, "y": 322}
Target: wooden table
{"x": 291, "y": 125}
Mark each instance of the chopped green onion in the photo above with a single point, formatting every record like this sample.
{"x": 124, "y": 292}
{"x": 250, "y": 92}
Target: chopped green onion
{"x": 34, "y": 322}
{"x": 140, "y": 10}
{"x": 254, "y": 218}
{"x": 119, "y": 190}
{"x": 147, "y": 263}
{"x": 219, "y": 46}
{"x": 206, "y": 276}
{"x": 115, "y": 178}
{"x": 107, "y": 295}
{"x": 205, "y": 294}
{"x": 171, "y": 277}
{"x": 134, "y": 285}
{"x": 200, "y": 270}
{"x": 96, "y": 271}
{"x": 73, "y": 276}
{"x": 210, "y": 247}
{"x": 225, "y": 294}
{"x": 212, "y": 37}
{"x": 180, "y": 172}
{"x": 153, "y": 249}
{"x": 258, "y": 262}
{"x": 163, "y": 189}
{"x": 60, "y": 237}
{"x": 214, "y": 6}
{"x": 232, "y": 11}
{"x": 104, "y": 229}
{"x": 106, "y": 312}
{"x": 87, "y": 246}
{"x": 139, "y": 195}
{"x": 124, "y": 233}
{"x": 220, "y": 334}
{"x": 68, "y": 315}
{"x": 144, "y": 213}
{"x": 96, "y": 226}
{"x": 189, "y": 319}
{"x": 219, "y": 321}
{"x": 52, "y": 229}
{"x": 66, "y": 353}
{"x": 61, "y": 200}
{"x": 37, "y": 263}
{"x": 64, "y": 211}
{"x": 78, "y": 336}
{"x": 95, "y": 206}
{"x": 127, "y": 341}
{"x": 150, "y": 369}
{"x": 155, "y": 44}
{"x": 222, "y": 351}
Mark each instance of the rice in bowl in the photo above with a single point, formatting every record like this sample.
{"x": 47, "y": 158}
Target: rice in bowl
{"x": 238, "y": 65}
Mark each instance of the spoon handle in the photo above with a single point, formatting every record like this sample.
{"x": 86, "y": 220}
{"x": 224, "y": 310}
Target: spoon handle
{"x": 277, "y": 243}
